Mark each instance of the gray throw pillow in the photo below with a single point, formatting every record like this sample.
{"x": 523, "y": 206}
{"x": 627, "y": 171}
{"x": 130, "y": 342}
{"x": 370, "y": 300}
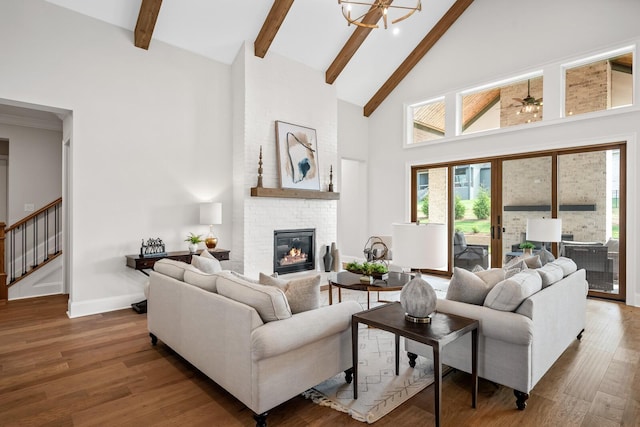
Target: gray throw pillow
{"x": 206, "y": 264}
{"x": 567, "y": 264}
{"x": 509, "y": 294}
{"x": 302, "y": 294}
{"x": 467, "y": 287}
{"x": 270, "y": 302}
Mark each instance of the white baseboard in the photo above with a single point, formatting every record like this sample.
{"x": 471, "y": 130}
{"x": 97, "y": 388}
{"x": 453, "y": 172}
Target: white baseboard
{"x": 103, "y": 305}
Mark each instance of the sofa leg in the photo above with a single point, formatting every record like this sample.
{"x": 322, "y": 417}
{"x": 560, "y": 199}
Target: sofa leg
{"x": 261, "y": 419}
{"x": 412, "y": 359}
{"x": 154, "y": 339}
{"x": 580, "y": 335}
{"x": 348, "y": 375}
{"x": 521, "y": 399}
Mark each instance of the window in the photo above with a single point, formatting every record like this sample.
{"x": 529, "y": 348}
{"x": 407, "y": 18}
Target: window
{"x": 600, "y": 84}
{"x": 427, "y": 120}
{"x": 509, "y": 104}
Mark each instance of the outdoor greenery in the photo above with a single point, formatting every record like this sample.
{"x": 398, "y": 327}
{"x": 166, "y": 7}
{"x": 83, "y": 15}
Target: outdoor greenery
{"x": 459, "y": 208}
{"x": 482, "y": 205}
{"x": 424, "y": 207}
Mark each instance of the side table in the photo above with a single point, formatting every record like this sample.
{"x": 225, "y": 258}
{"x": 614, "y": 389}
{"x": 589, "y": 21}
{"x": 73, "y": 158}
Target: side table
{"x": 443, "y": 329}
{"x": 145, "y": 263}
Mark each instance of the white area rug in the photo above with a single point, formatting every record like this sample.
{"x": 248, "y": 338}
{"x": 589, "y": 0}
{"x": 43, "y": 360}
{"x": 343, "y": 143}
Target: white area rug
{"x": 379, "y": 389}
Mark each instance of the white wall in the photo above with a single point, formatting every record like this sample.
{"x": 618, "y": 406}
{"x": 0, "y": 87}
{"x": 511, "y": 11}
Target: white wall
{"x": 35, "y": 165}
{"x": 466, "y": 57}
{"x": 150, "y": 139}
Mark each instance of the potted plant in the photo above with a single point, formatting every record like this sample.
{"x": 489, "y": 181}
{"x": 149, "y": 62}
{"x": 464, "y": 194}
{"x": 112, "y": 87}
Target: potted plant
{"x": 193, "y": 240}
{"x": 527, "y": 248}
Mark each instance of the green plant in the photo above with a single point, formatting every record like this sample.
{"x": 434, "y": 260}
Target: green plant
{"x": 193, "y": 238}
{"x": 367, "y": 268}
{"x": 425, "y": 206}
{"x": 482, "y": 205}
{"x": 527, "y": 245}
{"x": 459, "y": 208}
{"x": 476, "y": 230}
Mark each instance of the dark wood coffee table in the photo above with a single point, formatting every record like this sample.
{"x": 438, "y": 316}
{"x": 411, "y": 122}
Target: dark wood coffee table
{"x": 443, "y": 329}
{"x": 346, "y": 280}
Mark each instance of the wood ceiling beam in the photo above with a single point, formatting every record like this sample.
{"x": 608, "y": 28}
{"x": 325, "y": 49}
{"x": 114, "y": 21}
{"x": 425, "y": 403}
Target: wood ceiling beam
{"x": 149, "y": 10}
{"x": 353, "y": 44}
{"x": 417, "y": 54}
{"x": 271, "y": 25}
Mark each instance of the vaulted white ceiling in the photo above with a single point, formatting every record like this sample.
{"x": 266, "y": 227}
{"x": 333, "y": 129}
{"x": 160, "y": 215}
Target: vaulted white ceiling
{"x": 312, "y": 33}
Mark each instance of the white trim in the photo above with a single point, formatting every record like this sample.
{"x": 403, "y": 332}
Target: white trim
{"x": 30, "y": 122}
{"x": 103, "y": 305}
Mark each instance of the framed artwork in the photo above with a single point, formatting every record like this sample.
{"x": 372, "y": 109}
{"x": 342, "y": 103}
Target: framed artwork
{"x": 297, "y": 152}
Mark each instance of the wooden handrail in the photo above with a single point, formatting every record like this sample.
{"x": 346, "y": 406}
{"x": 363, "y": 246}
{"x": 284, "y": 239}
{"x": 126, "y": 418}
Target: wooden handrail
{"x": 33, "y": 215}
{"x": 4, "y": 290}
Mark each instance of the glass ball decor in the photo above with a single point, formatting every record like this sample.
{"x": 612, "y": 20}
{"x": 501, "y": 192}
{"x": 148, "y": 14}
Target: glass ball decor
{"x": 418, "y": 299}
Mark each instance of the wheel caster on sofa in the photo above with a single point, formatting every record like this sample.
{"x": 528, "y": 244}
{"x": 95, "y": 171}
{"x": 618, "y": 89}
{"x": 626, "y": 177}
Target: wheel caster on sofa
{"x": 261, "y": 419}
{"x": 521, "y": 399}
{"x": 348, "y": 375}
{"x": 412, "y": 359}
{"x": 154, "y": 339}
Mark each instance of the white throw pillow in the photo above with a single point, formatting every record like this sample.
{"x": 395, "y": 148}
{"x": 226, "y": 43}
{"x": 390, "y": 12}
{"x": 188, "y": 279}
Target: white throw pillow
{"x": 467, "y": 287}
{"x": 202, "y": 280}
{"x": 172, "y": 268}
{"x": 269, "y": 301}
{"x": 567, "y": 264}
{"x": 302, "y": 294}
{"x": 509, "y": 294}
{"x": 550, "y": 273}
{"x": 206, "y": 264}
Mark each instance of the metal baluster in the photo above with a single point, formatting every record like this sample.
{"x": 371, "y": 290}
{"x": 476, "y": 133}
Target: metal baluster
{"x": 12, "y": 250}
{"x": 57, "y": 217}
{"x": 35, "y": 241}
{"x": 46, "y": 233}
{"x": 24, "y": 248}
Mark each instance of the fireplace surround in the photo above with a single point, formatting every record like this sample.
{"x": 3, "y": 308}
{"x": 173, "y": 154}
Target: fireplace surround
{"x": 294, "y": 250}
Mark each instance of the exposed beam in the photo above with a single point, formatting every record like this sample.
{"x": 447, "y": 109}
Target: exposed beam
{"x": 353, "y": 44}
{"x": 149, "y": 10}
{"x": 418, "y": 53}
{"x": 271, "y": 25}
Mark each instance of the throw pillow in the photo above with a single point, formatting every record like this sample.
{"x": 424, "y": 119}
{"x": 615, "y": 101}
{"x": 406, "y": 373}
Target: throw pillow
{"x": 550, "y": 274}
{"x": 476, "y": 268}
{"x": 509, "y": 294}
{"x": 172, "y": 268}
{"x": 530, "y": 261}
{"x": 202, "y": 280}
{"x": 491, "y": 276}
{"x": 206, "y": 264}
{"x": 269, "y": 301}
{"x": 302, "y": 294}
{"x": 467, "y": 287}
{"x": 567, "y": 264}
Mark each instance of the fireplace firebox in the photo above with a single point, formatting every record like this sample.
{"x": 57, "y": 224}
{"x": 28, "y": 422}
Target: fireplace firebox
{"x": 294, "y": 250}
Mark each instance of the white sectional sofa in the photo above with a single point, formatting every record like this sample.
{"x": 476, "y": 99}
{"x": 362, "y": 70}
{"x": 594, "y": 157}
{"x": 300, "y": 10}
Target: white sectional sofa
{"x": 256, "y": 350}
{"x": 516, "y": 348}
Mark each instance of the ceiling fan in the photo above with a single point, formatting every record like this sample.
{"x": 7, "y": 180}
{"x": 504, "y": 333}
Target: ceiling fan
{"x": 529, "y": 104}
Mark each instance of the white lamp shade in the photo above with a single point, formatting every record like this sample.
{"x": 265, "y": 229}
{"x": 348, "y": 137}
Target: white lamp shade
{"x": 420, "y": 246}
{"x": 544, "y": 229}
{"x": 210, "y": 213}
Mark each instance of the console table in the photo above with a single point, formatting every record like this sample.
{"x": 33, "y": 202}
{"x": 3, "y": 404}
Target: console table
{"x": 141, "y": 264}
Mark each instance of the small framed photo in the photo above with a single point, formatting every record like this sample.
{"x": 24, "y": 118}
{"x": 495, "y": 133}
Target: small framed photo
{"x": 297, "y": 152}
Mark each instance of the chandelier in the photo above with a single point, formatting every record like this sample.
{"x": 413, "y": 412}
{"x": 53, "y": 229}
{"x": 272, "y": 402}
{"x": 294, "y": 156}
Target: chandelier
{"x": 375, "y": 8}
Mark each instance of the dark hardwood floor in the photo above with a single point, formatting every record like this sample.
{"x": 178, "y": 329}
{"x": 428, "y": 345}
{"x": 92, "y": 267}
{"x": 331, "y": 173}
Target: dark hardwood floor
{"x": 102, "y": 370}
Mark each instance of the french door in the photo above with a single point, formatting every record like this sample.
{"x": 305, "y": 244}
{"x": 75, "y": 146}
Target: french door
{"x": 486, "y": 204}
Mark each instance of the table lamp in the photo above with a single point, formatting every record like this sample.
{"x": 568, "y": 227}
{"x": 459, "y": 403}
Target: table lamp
{"x": 417, "y": 246}
{"x": 544, "y": 230}
{"x": 210, "y": 214}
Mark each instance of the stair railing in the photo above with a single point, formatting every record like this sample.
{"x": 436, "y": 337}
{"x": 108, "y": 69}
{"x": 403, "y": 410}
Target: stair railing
{"x": 32, "y": 242}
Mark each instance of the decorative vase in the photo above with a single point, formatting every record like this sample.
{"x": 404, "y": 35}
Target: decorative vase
{"x": 418, "y": 300}
{"x": 527, "y": 252}
{"x": 328, "y": 260}
{"x": 335, "y": 253}
{"x": 211, "y": 241}
{"x": 193, "y": 247}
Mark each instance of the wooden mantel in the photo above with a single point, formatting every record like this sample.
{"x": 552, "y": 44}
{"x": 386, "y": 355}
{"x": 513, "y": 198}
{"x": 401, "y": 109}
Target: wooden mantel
{"x": 290, "y": 193}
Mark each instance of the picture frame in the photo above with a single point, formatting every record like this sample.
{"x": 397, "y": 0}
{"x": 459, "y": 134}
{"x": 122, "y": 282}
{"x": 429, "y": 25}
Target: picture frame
{"x": 297, "y": 153}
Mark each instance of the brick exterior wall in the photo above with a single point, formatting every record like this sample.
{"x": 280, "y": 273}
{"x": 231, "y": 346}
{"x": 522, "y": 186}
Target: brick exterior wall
{"x": 509, "y": 111}
{"x": 587, "y": 88}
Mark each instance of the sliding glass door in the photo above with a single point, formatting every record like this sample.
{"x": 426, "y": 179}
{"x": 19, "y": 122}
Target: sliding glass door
{"x": 487, "y": 204}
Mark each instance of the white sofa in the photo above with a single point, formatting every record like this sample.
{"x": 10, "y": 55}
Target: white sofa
{"x": 516, "y": 349}
{"x": 262, "y": 364}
